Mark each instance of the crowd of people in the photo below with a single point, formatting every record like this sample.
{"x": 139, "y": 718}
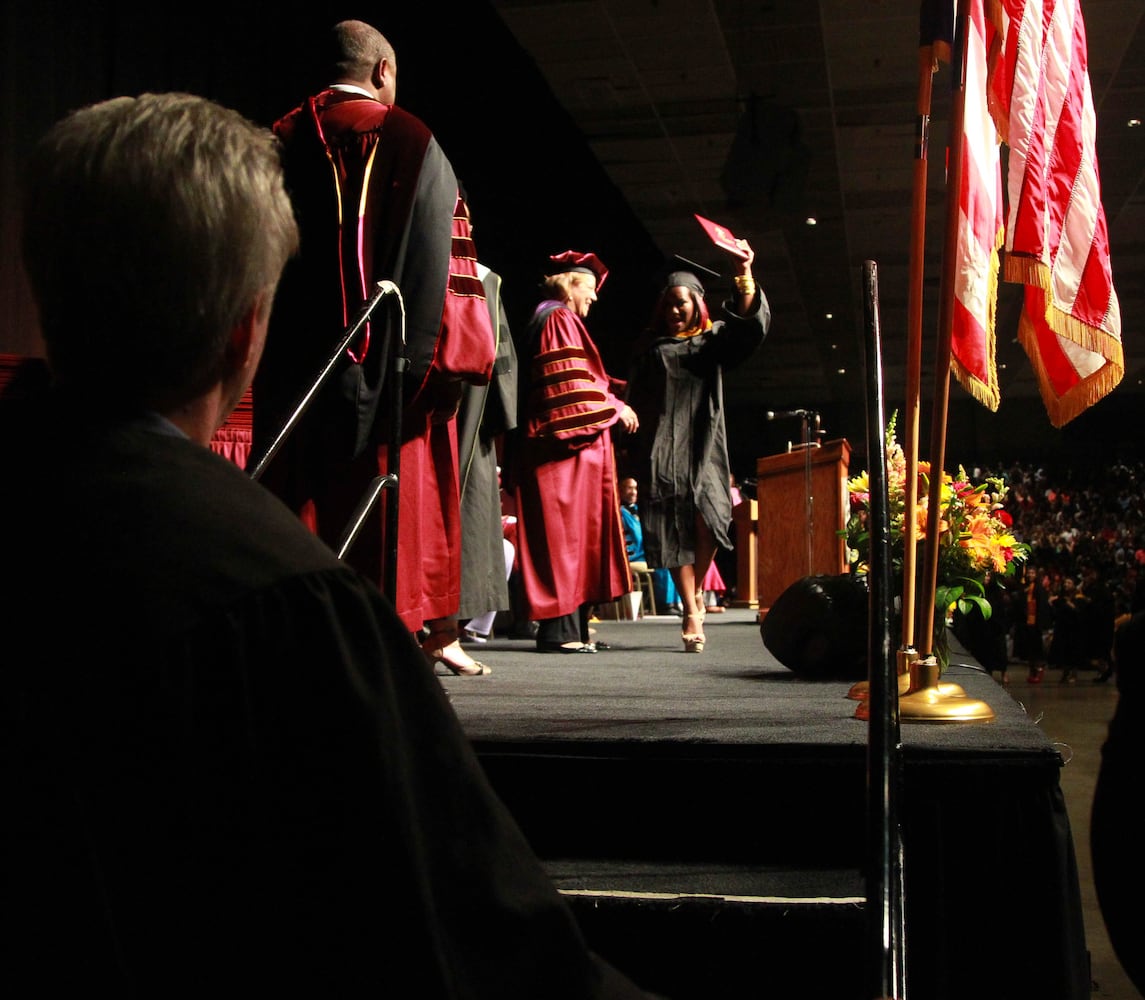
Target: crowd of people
{"x": 1086, "y": 530}
{"x": 1081, "y": 605}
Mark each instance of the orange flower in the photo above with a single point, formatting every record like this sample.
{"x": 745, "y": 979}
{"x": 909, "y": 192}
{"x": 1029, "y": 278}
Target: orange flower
{"x": 974, "y": 531}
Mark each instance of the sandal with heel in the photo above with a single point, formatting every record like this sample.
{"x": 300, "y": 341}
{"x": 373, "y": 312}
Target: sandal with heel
{"x": 444, "y": 648}
{"x": 693, "y": 641}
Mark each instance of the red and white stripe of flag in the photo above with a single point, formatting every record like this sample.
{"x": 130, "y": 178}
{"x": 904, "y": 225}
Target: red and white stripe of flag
{"x": 1056, "y": 238}
{"x": 981, "y": 228}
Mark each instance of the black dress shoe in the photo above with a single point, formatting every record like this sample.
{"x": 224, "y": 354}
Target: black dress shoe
{"x": 559, "y": 647}
{"x": 601, "y": 645}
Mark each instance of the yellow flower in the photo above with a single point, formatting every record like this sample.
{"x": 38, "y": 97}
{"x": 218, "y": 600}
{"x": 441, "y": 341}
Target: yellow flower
{"x": 974, "y": 529}
{"x": 860, "y": 484}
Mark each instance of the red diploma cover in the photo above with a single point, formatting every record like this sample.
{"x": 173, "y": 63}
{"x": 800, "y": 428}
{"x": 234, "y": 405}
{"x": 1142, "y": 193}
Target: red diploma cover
{"x": 721, "y": 236}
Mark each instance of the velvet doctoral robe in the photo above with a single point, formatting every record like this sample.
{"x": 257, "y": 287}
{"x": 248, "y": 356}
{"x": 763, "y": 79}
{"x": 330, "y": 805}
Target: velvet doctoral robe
{"x": 570, "y": 541}
{"x": 376, "y": 200}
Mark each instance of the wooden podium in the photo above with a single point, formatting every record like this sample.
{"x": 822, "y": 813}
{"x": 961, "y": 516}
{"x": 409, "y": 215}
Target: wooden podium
{"x": 802, "y": 508}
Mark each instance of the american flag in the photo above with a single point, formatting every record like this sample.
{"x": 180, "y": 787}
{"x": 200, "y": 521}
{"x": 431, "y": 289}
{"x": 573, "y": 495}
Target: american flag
{"x": 1057, "y": 244}
{"x": 980, "y": 230}
{"x": 1026, "y": 74}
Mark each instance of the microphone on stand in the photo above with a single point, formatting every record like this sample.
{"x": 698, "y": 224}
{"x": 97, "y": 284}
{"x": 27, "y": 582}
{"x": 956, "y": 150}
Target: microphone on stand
{"x": 812, "y": 430}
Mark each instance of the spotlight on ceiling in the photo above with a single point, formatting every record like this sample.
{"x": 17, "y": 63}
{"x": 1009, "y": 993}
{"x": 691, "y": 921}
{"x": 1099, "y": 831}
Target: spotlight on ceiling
{"x": 812, "y": 221}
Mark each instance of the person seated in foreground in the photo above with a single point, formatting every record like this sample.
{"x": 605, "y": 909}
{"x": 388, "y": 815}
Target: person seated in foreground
{"x": 227, "y": 768}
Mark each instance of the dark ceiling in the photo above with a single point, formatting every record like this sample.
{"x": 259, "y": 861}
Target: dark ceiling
{"x": 608, "y": 124}
{"x": 761, "y": 115}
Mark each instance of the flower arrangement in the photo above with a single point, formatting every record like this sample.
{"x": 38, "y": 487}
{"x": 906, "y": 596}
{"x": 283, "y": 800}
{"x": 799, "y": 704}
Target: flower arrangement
{"x": 976, "y": 537}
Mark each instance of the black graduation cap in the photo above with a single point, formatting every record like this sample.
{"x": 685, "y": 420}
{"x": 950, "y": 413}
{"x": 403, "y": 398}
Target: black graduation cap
{"x": 681, "y": 271}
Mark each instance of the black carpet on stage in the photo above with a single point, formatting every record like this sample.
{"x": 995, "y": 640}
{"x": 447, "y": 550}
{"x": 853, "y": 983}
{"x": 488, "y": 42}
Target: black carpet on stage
{"x": 707, "y": 816}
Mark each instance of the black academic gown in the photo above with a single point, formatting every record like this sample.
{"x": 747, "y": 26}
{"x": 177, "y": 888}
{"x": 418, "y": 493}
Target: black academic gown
{"x": 680, "y": 453}
{"x": 226, "y": 769}
{"x": 486, "y": 412}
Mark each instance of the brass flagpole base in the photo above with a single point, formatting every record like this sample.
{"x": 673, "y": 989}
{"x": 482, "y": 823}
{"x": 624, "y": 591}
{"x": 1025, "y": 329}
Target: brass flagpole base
{"x": 861, "y": 690}
{"x": 927, "y": 702}
{"x": 924, "y": 674}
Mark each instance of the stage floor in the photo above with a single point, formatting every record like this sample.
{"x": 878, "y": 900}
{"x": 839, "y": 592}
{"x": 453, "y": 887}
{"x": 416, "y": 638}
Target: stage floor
{"x": 645, "y": 688}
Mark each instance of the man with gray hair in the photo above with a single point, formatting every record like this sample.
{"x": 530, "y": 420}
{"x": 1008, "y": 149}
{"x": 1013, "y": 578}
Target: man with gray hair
{"x": 224, "y": 767}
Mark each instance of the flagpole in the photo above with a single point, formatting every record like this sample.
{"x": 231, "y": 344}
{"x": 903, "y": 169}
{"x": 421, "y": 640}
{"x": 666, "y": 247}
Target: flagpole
{"x": 928, "y": 699}
{"x": 914, "y": 346}
{"x": 941, "y": 404}
{"x": 885, "y": 925}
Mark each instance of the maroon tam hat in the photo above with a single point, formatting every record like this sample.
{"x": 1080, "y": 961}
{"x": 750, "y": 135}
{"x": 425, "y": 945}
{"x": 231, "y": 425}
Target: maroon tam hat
{"x": 573, "y": 260}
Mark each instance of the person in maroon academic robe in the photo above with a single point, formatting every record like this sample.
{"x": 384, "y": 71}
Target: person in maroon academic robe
{"x": 571, "y": 543}
{"x": 376, "y": 199}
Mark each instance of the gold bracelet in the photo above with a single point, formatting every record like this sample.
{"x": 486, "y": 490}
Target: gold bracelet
{"x": 745, "y": 284}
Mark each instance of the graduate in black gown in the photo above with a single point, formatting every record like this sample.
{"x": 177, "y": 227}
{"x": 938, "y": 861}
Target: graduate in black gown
{"x": 679, "y": 453}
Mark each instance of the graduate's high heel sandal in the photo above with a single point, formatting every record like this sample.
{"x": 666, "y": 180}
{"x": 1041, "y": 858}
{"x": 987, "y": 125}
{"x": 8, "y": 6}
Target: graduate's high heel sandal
{"x": 693, "y": 641}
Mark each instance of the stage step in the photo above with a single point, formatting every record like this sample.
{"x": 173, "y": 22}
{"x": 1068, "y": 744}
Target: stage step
{"x": 701, "y": 931}
{"x": 782, "y": 807}
{"x": 673, "y": 762}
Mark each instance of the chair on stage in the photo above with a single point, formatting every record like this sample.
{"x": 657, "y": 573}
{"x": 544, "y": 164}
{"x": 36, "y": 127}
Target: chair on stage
{"x": 645, "y": 584}
{"x": 634, "y": 605}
